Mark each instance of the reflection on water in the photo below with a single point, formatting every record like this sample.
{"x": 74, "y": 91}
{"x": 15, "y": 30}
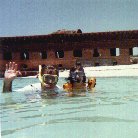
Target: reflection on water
{"x": 112, "y": 106}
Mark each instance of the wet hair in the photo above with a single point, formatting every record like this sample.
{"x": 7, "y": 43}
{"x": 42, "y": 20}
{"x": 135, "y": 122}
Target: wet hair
{"x": 49, "y": 70}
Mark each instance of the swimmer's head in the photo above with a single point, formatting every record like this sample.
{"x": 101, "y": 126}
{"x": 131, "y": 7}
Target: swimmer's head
{"x": 50, "y": 75}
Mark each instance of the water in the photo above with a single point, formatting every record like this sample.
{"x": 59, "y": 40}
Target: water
{"x": 111, "y": 111}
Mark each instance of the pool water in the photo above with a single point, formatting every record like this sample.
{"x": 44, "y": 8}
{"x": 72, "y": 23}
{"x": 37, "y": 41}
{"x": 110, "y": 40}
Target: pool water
{"x": 110, "y": 112}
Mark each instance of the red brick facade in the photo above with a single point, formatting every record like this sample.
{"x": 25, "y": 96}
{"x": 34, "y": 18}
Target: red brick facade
{"x": 90, "y": 48}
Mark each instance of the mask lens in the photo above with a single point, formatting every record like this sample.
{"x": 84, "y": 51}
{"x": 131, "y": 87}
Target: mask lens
{"x": 49, "y": 79}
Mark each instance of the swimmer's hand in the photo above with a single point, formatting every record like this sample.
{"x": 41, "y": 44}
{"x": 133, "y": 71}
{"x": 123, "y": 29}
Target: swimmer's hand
{"x": 11, "y": 71}
{"x": 10, "y": 74}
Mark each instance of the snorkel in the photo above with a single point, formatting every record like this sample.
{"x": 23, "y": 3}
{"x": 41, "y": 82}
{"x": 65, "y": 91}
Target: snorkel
{"x": 48, "y": 77}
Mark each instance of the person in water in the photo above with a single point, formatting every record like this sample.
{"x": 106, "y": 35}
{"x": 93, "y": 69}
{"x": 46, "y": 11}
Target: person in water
{"x": 77, "y": 84}
{"x": 77, "y": 74}
{"x": 77, "y": 78}
{"x": 48, "y": 77}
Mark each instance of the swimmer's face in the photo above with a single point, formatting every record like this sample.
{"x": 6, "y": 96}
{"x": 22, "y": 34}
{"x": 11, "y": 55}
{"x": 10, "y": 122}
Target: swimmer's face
{"x": 50, "y": 75}
{"x": 50, "y": 79}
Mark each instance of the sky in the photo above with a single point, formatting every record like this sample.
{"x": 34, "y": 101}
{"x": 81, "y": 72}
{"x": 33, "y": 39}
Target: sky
{"x": 39, "y": 17}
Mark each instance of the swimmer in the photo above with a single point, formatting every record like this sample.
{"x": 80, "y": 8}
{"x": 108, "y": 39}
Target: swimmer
{"x": 48, "y": 77}
{"x": 77, "y": 74}
{"x": 77, "y": 81}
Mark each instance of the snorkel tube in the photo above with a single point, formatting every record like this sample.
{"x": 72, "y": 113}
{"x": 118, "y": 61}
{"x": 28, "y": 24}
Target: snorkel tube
{"x": 40, "y": 75}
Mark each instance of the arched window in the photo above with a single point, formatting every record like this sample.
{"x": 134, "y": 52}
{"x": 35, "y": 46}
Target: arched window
{"x": 135, "y": 51}
{"x": 7, "y": 55}
{"x": 130, "y": 51}
{"x": 96, "y": 53}
{"x": 117, "y": 51}
{"x": 114, "y": 51}
{"x": 24, "y": 55}
{"x": 59, "y": 54}
{"x": 43, "y": 55}
{"x": 77, "y": 53}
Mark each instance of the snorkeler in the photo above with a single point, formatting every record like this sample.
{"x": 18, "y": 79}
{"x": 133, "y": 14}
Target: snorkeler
{"x": 48, "y": 77}
{"x": 77, "y": 81}
{"x": 77, "y": 78}
{"x": 77, "y": 74}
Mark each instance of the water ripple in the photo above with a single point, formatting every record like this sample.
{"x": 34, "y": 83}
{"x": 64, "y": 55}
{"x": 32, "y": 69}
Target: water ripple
{"x": 70, "y": 120}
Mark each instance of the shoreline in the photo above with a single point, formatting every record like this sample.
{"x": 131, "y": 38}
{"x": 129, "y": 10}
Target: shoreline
{"x": 108, "y": 71}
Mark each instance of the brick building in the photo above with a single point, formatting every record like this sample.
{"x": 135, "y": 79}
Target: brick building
{"x": 63, "y": 48}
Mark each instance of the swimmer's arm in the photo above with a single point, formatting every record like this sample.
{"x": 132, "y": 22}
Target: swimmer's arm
{"x": 7, "y": 86}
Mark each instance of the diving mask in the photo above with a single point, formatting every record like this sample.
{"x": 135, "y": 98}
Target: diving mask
{"x": 50, "y": 79}
{"x": 79, "y": 76}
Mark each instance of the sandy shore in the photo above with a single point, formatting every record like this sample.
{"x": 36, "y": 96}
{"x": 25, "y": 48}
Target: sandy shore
{"x": 108, "y": 71}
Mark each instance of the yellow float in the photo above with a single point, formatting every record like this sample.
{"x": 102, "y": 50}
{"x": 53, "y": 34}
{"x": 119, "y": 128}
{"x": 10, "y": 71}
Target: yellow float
{"x": 76, "y": 88}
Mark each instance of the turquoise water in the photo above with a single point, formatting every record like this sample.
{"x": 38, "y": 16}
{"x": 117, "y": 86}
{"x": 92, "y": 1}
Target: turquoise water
{"x": 110, "y": 112}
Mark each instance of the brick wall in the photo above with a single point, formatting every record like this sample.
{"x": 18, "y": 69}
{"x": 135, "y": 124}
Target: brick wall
{"x": 124, "y": 56}
{"x": 68, "y": 60}
{"x": 104, "y": 52}
{"x": 87, "y": 53}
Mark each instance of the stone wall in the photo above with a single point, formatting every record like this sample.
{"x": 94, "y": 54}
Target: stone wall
{"x": 69, "y": 60}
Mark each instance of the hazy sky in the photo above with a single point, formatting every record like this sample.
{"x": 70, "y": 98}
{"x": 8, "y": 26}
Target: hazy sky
{"x": 30, "y": 17}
